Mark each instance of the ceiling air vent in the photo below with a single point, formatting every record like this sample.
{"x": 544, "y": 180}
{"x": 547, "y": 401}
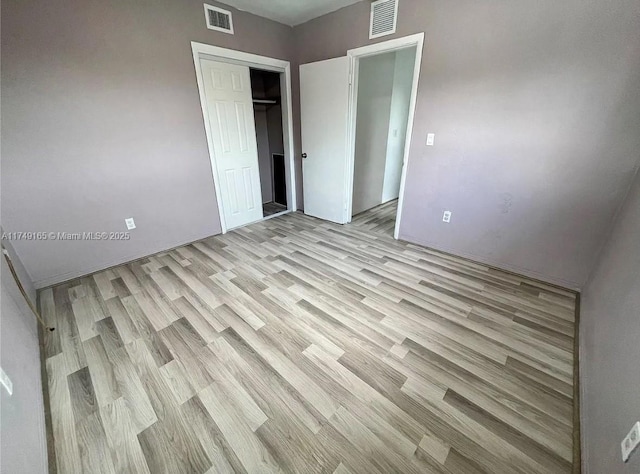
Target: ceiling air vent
{"x": 384, "y": 15}
{"x": 218, "y": 19}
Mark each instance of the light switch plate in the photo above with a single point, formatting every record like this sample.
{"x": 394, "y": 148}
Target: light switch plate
{"x": 431, "y": 137}
{"x": 6, "y": 382}
{"x": 630, "y": 442}
{"x": 130, "y": 223}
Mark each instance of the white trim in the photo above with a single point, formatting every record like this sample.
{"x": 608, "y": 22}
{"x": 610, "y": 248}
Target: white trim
{"x": 395, "y": 20}
{"x": 206, "y": 51}
{"x": 208, "y": 8}
{"x": 416, "y": 40}
{"x": 276, "y": 215}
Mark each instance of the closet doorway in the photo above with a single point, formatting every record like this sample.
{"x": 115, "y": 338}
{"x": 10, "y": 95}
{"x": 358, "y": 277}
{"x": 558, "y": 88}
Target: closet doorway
{"x": 267, "y": 110}
{"x": 246, "y": 106}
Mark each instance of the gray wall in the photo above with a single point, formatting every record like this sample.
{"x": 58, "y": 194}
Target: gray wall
{"x": 269, "y": 130}
{"x": 610, "y": 349}
{"x": 276, "y": 145}
{"x": 536, "y": 110}
{"x": 101, "y": 120}
{"x": 375, "y": 88}
{"x": 274, "y": 115}
{"x": 274, "y": 124}
{"x": 23, "y": 447}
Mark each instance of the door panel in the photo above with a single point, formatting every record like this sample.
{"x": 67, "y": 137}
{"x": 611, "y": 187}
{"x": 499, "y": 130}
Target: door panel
{"x": 230, "y": 109}
{"x": 324, "y": 102}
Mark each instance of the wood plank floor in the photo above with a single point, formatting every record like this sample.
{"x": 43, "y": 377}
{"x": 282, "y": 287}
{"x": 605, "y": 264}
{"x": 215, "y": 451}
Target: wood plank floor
{"x": 271, "y": 208}
{"x": 381, "y": 220}
{"x": 296, "y": 345}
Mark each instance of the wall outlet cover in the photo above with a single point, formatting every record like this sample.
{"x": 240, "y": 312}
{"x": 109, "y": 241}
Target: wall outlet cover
{"x": 446, "y": 217}
{"x": 130, "y": 223}
{"x": 431, "y": 137}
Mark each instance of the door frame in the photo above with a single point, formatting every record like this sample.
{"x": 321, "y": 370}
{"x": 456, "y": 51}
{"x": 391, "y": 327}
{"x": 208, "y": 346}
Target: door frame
{"x": 216, "y": 53}
{"x": 355, "y": 55}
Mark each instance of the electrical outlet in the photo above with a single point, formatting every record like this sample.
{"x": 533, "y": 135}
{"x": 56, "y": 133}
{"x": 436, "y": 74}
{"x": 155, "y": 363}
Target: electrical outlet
{"x": 446, "y": 217}
{"x": 431, "y": 137}
{"x": 630, "y": 442}
{"x": 6, "y": 382}
{"x": 130, "y": 223}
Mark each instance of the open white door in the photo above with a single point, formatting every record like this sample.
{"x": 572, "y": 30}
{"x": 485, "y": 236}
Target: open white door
{"x": 233, "y": 133}
{"x": 324, "y": 103}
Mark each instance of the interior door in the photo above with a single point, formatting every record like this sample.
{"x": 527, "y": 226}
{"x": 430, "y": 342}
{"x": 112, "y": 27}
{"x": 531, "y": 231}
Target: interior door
{"x": 324, "y": 102}
{"x": 233, "y": 132}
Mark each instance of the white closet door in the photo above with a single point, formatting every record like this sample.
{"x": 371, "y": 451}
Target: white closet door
{"x": 233, "y": 132}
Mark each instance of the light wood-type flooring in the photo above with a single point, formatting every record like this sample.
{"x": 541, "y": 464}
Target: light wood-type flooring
{"x": 271, "y": 208}
{"x": 381, "y": 220}
{"x": 296, "y": 345}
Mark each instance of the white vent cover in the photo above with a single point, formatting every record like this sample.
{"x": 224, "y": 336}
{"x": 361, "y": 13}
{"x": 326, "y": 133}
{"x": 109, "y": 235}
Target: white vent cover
{"x": 218, "y": 19}
{"x": 384, "y": 15}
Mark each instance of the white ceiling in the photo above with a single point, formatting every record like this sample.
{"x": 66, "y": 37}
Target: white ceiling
{"x": 289, "y": 12}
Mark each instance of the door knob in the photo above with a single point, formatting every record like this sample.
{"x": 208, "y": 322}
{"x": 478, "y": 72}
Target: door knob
{"x": 304, "y": 155}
